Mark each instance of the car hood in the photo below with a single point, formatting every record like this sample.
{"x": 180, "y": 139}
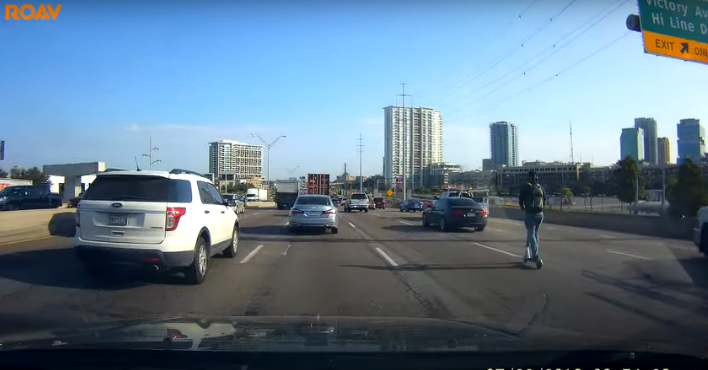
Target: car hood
{"x": 318, "y": 334}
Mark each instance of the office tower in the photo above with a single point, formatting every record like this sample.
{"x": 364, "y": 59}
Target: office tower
{"x": 664, "y": 150}
{"x": 691, "y": 140}
{"x": 232, "y": 157}
{"x": 504, "y": 144}
{"x": 632, "y": 143}
{"x": 427, "y": 142}
{"x": 648, "y": 125}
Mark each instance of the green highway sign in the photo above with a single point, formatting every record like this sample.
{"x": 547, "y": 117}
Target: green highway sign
{"x": 675, "y": 28}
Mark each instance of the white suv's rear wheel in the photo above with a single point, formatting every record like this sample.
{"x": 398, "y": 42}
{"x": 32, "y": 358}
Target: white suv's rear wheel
{"x": 196, "y": 273}
{"x": 231, "y": 250}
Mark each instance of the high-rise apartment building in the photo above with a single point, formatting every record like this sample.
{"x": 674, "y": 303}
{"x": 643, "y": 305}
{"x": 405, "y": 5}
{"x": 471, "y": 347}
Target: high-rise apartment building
{"x": 487, "y": 164}
{"x": 632, "y": 143}
{"x": 691, "y": 140}
{"x": 663, "y": 147}
{"x": 427, "y": 142}
{"x": 648, "y": 125}
{"x": 504, "y": 144}
{"x": 242, "y": 160}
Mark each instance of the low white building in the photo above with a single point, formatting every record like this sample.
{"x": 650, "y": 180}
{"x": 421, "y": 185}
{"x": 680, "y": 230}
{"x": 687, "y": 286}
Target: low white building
{"x": 57, "y": 183}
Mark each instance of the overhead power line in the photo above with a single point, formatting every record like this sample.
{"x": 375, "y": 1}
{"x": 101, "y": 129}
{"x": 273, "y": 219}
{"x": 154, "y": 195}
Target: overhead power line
{"x": 555, "y": 75}
{"x": 507, "y": 54}
{"x": 489, "y": 42}
{"x": 554, "y": 49}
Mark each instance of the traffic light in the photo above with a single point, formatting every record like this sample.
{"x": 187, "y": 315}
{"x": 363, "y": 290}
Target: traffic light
{"x": 634, "y": 23}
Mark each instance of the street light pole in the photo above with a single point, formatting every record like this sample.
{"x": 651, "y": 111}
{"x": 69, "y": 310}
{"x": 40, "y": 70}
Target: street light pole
{"x": 268, "y": 146}
{"x": 149, "y": 155}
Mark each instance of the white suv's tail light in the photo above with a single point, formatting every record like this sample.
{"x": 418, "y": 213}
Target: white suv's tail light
{"x": 173, "y": 216}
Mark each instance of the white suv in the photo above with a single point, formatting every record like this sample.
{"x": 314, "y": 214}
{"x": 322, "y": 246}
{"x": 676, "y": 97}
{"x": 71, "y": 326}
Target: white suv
{"x": 154, "y": 220}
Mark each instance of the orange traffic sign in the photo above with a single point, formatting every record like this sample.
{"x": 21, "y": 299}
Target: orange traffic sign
{"x": 389, "y": 193}
{"x": 676, "y": 47}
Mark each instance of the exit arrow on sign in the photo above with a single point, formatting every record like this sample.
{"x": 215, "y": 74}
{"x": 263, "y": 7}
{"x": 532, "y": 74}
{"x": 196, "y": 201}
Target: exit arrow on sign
{"x": 684, "y": 49}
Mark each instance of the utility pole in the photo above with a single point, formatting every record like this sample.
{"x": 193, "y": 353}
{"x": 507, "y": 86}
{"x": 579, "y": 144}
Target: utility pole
{"x": 361, "y": 175}
{"x": 268, "y": 146}
{"x": 403, "y": 138}
{"x": 149, "y": 155}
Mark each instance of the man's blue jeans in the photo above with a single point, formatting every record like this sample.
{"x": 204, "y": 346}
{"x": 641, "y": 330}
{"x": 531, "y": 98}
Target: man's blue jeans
{"x": 533, "y": 222}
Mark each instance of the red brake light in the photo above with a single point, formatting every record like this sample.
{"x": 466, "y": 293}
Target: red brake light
{"x": 297, "y": 212}
{"x": 175, "y": 334}
{"x": 458, "y": 212}
{"x": 329, "y": 212}
{"x": 484, "y": 212}
{"x": 173, "y": 216}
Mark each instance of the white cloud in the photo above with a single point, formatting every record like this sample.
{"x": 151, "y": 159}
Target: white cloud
{"x": 210, "y": 129}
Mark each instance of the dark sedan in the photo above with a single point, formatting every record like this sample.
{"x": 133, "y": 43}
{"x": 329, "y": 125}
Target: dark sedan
{"x": 454, "y": 213}
{"x": 412, "y": 205}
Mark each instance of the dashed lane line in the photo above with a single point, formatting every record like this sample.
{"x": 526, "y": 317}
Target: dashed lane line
{"x": 629, "y": 255}
{"x": 385, "y": 256}
{"x": 497, "y": 250}
{"x": 253, "y": 253}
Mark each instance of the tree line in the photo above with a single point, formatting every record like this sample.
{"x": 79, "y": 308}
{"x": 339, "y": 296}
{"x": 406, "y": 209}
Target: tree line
{"x": 33, "y": 174}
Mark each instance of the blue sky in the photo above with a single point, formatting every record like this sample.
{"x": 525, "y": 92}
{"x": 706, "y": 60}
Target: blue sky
{"x": 99, "y": 81}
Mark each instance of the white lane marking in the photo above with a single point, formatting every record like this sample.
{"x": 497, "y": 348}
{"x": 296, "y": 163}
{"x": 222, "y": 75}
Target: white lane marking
{"x": 253, "y": 253}
{"x": 351, "y": 224}
{"x": 498, "y": 230}
{"x": 285, "y": 252}
{"x": 606, "y": 236}
{"x": 377, "y": 215}
{"x": 628, "y": 255}
{"x": 253, "y": 214}
{"x": 406, "y": 222}
{"x": 551, "y": 228}
{"x": 385, "y": 256}
{"x": 496, "y": 250}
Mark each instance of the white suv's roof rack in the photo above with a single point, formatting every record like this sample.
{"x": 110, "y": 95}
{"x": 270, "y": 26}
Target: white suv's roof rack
{"x": 179, "y": 171}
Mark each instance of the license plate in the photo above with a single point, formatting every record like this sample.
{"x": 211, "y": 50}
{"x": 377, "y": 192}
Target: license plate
{"x": 118, "y": 219}
{"x": 471, "y": 214}
{"x": 314, "y": 213}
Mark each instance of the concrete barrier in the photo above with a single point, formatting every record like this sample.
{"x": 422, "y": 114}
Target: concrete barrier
{"x": 18, "y": 226}
{"x": 661, "y": 227}
{"x": 260, "y": 205}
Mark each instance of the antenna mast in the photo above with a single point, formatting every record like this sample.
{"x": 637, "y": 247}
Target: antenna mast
{"x": 572, "y": 153}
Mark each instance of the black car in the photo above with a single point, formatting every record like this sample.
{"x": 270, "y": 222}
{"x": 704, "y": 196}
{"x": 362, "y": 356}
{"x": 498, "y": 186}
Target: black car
{"x": 412, "y": 205}
{"x": 28, "y": 197}
{"x": 454, "y": 213}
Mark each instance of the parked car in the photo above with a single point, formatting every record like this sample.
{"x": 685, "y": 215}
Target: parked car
{"x": 453, "y": 213}
{"x": 313, "y": 210}
{"x": 412, "y": 205}
{"x": 28, "y": 197}
{"x": 380, "y": 203}
{"x": 74, "y": 202}
{"x": 154, "y": 220}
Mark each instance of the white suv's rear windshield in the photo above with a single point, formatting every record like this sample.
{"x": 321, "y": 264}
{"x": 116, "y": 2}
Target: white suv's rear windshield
{"x": 359, "y": 196}
{"x": 139, "y": 189}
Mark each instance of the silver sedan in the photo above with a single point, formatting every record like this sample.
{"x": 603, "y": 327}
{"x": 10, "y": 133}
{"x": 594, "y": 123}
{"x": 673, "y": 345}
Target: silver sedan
{"x": 314, "y": 211}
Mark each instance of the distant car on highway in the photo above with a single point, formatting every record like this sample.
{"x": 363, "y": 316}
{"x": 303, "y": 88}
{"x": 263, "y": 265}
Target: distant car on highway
{"x": 313, "y": 210}
{"x": 412, "y": 205}
{"x": 236, "y": 202}
{"x": 379, "y": 203}
{"x": 454, "y": 213}
{"x": 356, "y": 202}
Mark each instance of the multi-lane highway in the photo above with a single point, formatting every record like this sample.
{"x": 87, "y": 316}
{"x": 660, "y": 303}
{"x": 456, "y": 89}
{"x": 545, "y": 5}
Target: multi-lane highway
{"x": 384, "y": 263}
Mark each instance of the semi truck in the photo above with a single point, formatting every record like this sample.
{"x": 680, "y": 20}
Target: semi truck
{"x": 318, "y": 183}
{"x": 256, "y": 195}
{"x": 286, "y": 192}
